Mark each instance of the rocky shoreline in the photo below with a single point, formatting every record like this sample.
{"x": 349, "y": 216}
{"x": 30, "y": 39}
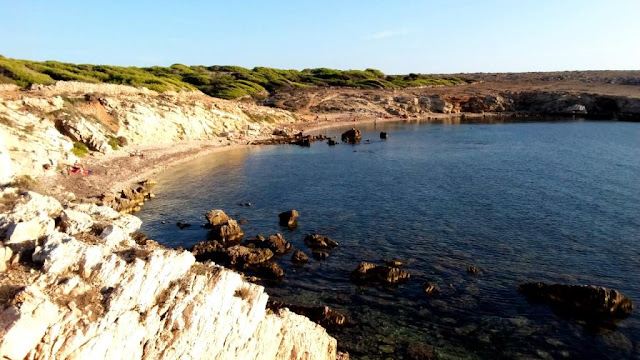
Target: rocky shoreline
{"x": 79, "y": 282}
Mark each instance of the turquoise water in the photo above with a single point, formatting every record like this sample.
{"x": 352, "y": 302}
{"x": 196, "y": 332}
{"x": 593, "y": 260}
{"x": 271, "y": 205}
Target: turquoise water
{"x": 530, "y": 201}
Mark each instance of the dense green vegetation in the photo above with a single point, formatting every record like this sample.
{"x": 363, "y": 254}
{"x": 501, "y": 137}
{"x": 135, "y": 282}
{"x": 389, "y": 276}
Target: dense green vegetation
{"x": 228, "y": 82}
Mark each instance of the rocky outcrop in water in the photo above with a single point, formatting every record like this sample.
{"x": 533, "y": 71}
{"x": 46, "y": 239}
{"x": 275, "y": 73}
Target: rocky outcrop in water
{"x": 352, "y": 136}
{"x": 289, "y": 218}
{"x": 430, "y": 288}
{"x": 317, "y": 241}
{"x": 282, "y": 138}
{"x": 299, "y": 257}
{"x": 222, "y": 227}
{"x": 128, "y": 200}
{"x": 368, "y": 272}
{"x": 107, "y": 297}
{"x": 322, "y": 315}
{"x": 275, "y": 242}
{"x": 591, "y": 302}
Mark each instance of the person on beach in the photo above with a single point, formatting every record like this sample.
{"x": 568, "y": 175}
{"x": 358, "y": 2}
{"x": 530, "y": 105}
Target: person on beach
{"x": 78, "y": 168}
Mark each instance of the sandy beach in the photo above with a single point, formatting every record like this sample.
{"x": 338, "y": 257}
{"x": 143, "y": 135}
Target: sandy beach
{"x": 117, "y": 170}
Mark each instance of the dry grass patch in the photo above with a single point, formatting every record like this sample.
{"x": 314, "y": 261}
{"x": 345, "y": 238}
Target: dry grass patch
{"x": 245, "y": 293}
{"x": 130, "y": 255}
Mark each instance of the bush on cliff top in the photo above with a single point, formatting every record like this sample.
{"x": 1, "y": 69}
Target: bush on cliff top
{"x": 228, "y": 82}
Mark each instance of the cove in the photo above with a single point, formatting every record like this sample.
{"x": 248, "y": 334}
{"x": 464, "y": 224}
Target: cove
{"x": 525, "y": 201}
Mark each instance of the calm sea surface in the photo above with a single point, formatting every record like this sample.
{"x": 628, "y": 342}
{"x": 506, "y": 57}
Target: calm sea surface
{"x": 529, "y": 201}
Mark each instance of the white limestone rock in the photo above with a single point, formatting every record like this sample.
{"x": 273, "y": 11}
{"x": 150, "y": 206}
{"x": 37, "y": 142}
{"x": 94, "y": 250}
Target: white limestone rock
{"x": 156, "y": 306}
{"x": 113, "y": 236}
{"x": 5, "y": 256}
{"x": 23, "y": 235}
{"x": 23, "y": 328}
{"x": 33, "y": 204}
{"x": 6, "y": 166}
{"x": 74, "y": 222}
{"x": 128, "y": 223}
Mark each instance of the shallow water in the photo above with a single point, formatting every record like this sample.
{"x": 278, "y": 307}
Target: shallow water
{"x": 531, "y": 201}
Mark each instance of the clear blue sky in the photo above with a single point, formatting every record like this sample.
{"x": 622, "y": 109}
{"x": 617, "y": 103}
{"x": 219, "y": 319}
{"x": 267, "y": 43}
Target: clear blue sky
{"x": 393, "y": 36}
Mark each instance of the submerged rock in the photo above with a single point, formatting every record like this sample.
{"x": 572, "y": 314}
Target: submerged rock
{"x": 419, "y": 351}
{"x": 320, "y": 254}
{"x": 299, "y": 257}
{"x": 394, "y": 263}
{"x": 364, "y": 272}
{"x": 289, "y": 218}
{"x": 332, "y": 142}
{"x": 352, "y": 136}
{"x": 473, "y": 270}
{"x": 323, "y": 315}
{"x": 592, "y": 302}
{"x": 430, "y": 288}
{"x": 183, "y": 225}
{"x": 317, "y": 241}
{"x": 369, "y": 272}
{"x": 391, "y": 275}
{"x": 267, "y": 269}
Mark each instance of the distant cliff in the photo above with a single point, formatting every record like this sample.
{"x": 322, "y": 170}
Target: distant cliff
{"x": 52, "y": 124}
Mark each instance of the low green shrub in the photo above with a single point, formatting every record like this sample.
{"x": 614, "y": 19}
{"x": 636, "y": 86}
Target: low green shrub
{"x": 113, "y": 142}
{"x": 79, "y": 149}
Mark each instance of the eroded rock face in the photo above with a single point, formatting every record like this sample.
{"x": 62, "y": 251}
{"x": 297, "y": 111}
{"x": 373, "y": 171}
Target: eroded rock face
{"x": 580, "y": 300}
{"x": 83, "y": 131}
{"x": 352, "y": 136}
